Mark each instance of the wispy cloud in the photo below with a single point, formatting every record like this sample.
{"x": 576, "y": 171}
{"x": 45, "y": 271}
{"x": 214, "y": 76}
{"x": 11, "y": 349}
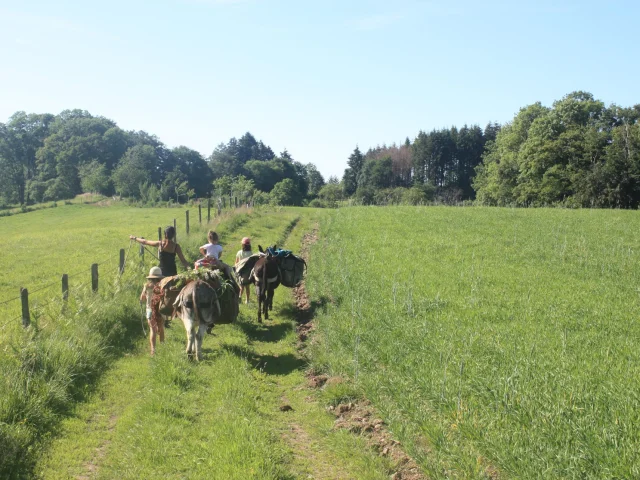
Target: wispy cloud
{"x": 378, "y": 21}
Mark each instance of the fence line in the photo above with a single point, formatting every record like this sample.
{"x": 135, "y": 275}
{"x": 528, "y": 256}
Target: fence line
{"x": 119, "y": 268}
{"x": 10, "y": 300}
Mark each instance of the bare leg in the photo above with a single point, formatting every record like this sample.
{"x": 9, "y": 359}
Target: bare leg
{"x": 161, "y": 331}
{"x": 152, "y": 337}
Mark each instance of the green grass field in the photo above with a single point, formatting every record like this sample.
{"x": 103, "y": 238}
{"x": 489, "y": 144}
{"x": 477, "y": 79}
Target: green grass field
{"x": 85, "y": 399}
{"x": 496, "y": 341}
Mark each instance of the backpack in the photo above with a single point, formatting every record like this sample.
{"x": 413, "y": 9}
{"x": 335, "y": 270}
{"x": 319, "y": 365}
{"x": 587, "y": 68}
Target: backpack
{"x": 292, "y": 269}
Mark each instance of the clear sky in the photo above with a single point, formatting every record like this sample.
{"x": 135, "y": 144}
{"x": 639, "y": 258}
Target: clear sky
{"x": 314, "y": 77}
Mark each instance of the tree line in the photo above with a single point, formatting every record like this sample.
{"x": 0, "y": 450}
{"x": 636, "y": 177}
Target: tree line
{"x": 47, "y": 157}
{"x": 439, "y": 164}
{"x": 578, "y": 153}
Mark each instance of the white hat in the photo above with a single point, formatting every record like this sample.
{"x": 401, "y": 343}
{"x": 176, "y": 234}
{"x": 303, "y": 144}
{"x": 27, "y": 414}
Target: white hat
{"x": 155, "y": 272}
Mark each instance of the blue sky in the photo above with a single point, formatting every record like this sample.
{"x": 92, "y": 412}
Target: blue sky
{"x": 314, "y": 77}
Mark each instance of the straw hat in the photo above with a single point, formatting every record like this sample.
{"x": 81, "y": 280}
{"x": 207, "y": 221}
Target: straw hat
{"x": 246, "y": 241}
{"x": 155, "y": 272}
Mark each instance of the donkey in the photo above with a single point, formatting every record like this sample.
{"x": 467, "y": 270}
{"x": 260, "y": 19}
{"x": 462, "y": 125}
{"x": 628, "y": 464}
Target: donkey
{"x": 266, "y": 276}
{"x": 198, "y": 306}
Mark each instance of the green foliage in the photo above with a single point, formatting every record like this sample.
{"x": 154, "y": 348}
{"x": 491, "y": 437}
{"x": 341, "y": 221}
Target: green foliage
{"x": 222, "y": 186}
{"x": 149, "y": 193}
{"x": 285, "y": 193}
{"x": 578, "y": 153}
{"x": 134, "y": 170}
{"x": 314, "y": 179}
{"x": 352, "y": 172}
{"x": 331, "y": 194}
{"x": 94, "y": 178}
{"x": 419, "y": 194}
{"x": 376, "y": 174}
{"x": 195, "y": 170}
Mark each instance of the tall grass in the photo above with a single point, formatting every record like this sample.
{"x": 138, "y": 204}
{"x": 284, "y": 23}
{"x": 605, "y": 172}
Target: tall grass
{"x": 47, "y": 368}
{"x": 495, "y": 341}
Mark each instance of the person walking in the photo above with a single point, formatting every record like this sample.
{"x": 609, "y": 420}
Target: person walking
{"x": 156, "y": 328}
{"x": 244, "y": 252}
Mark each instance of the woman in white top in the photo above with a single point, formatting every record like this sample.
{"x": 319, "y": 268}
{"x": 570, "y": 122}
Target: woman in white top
{"x": 244, "y": 253}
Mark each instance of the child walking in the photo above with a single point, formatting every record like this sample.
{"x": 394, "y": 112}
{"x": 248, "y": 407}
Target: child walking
{"x": 210, "y": 251}
{"x": 156, "y": 325}
{"x": 244, "y": 253}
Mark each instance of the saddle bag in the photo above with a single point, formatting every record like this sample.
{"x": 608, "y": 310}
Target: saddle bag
{"x": 227, "y": 294}
{"x": 244, "y": 267}
{"x": 292, "y": 270}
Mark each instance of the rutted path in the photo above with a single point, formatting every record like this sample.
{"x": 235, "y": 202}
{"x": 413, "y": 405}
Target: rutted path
{"x": 247, "y": 411}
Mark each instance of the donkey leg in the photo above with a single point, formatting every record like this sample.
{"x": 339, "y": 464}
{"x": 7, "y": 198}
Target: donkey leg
{"x": 259, "y": 297}
{"x": 270, "y": 295}
{"x": 199, "y": 337}
{"x": 191, "y": 337}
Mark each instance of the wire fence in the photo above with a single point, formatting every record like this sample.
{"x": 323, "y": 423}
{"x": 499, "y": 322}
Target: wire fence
{"x": 111, "y": 264}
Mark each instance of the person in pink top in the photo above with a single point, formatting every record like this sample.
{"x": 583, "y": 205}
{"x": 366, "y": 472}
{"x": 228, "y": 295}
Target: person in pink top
{"x": 244, "y": 253}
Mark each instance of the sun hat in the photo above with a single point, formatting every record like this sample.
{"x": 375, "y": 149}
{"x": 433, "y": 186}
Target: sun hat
{"x": 155, "y": 272}
{"x": 246, "y": 241}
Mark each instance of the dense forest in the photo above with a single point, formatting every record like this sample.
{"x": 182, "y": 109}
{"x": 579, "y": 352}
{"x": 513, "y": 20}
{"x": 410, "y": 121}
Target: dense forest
{"x": 577, "y": 153}
{"x": 53, "y": 157}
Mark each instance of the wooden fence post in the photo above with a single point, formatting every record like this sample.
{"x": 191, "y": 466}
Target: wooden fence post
{"x": 24, "y": 297}
{"x": 94, "y": 277}
{"x": 121, "y": 270}
{"x": 208, "y": 210}
{"x": 159, "y": 234}
{"x": 187, "y": 220}
{"x": 142, "y": 253}
{"x": 200, "y": 214}
{"x": 65, "y": 287}
{"x": 176, "y": 229}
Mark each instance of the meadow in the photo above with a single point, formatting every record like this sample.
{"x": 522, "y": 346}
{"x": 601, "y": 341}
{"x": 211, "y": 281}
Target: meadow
{"x": 498, "y": 343}
{"x": 495, "y": 343}
{"x": 53, "y": 364}
{"x": 81, "y": 398}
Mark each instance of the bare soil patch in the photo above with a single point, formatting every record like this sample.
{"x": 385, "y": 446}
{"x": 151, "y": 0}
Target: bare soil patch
{"x": 359, "y": 417}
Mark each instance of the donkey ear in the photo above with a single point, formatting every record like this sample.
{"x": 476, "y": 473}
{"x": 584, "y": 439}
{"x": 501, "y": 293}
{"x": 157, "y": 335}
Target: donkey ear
{"x": 260, "y": 249}
{"x": 275, "y": 247}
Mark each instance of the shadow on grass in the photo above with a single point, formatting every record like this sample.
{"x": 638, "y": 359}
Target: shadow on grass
{"x": 269, "y": 364}
{"x": 263, "y": 332}
{"x": 302, "y": 316}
